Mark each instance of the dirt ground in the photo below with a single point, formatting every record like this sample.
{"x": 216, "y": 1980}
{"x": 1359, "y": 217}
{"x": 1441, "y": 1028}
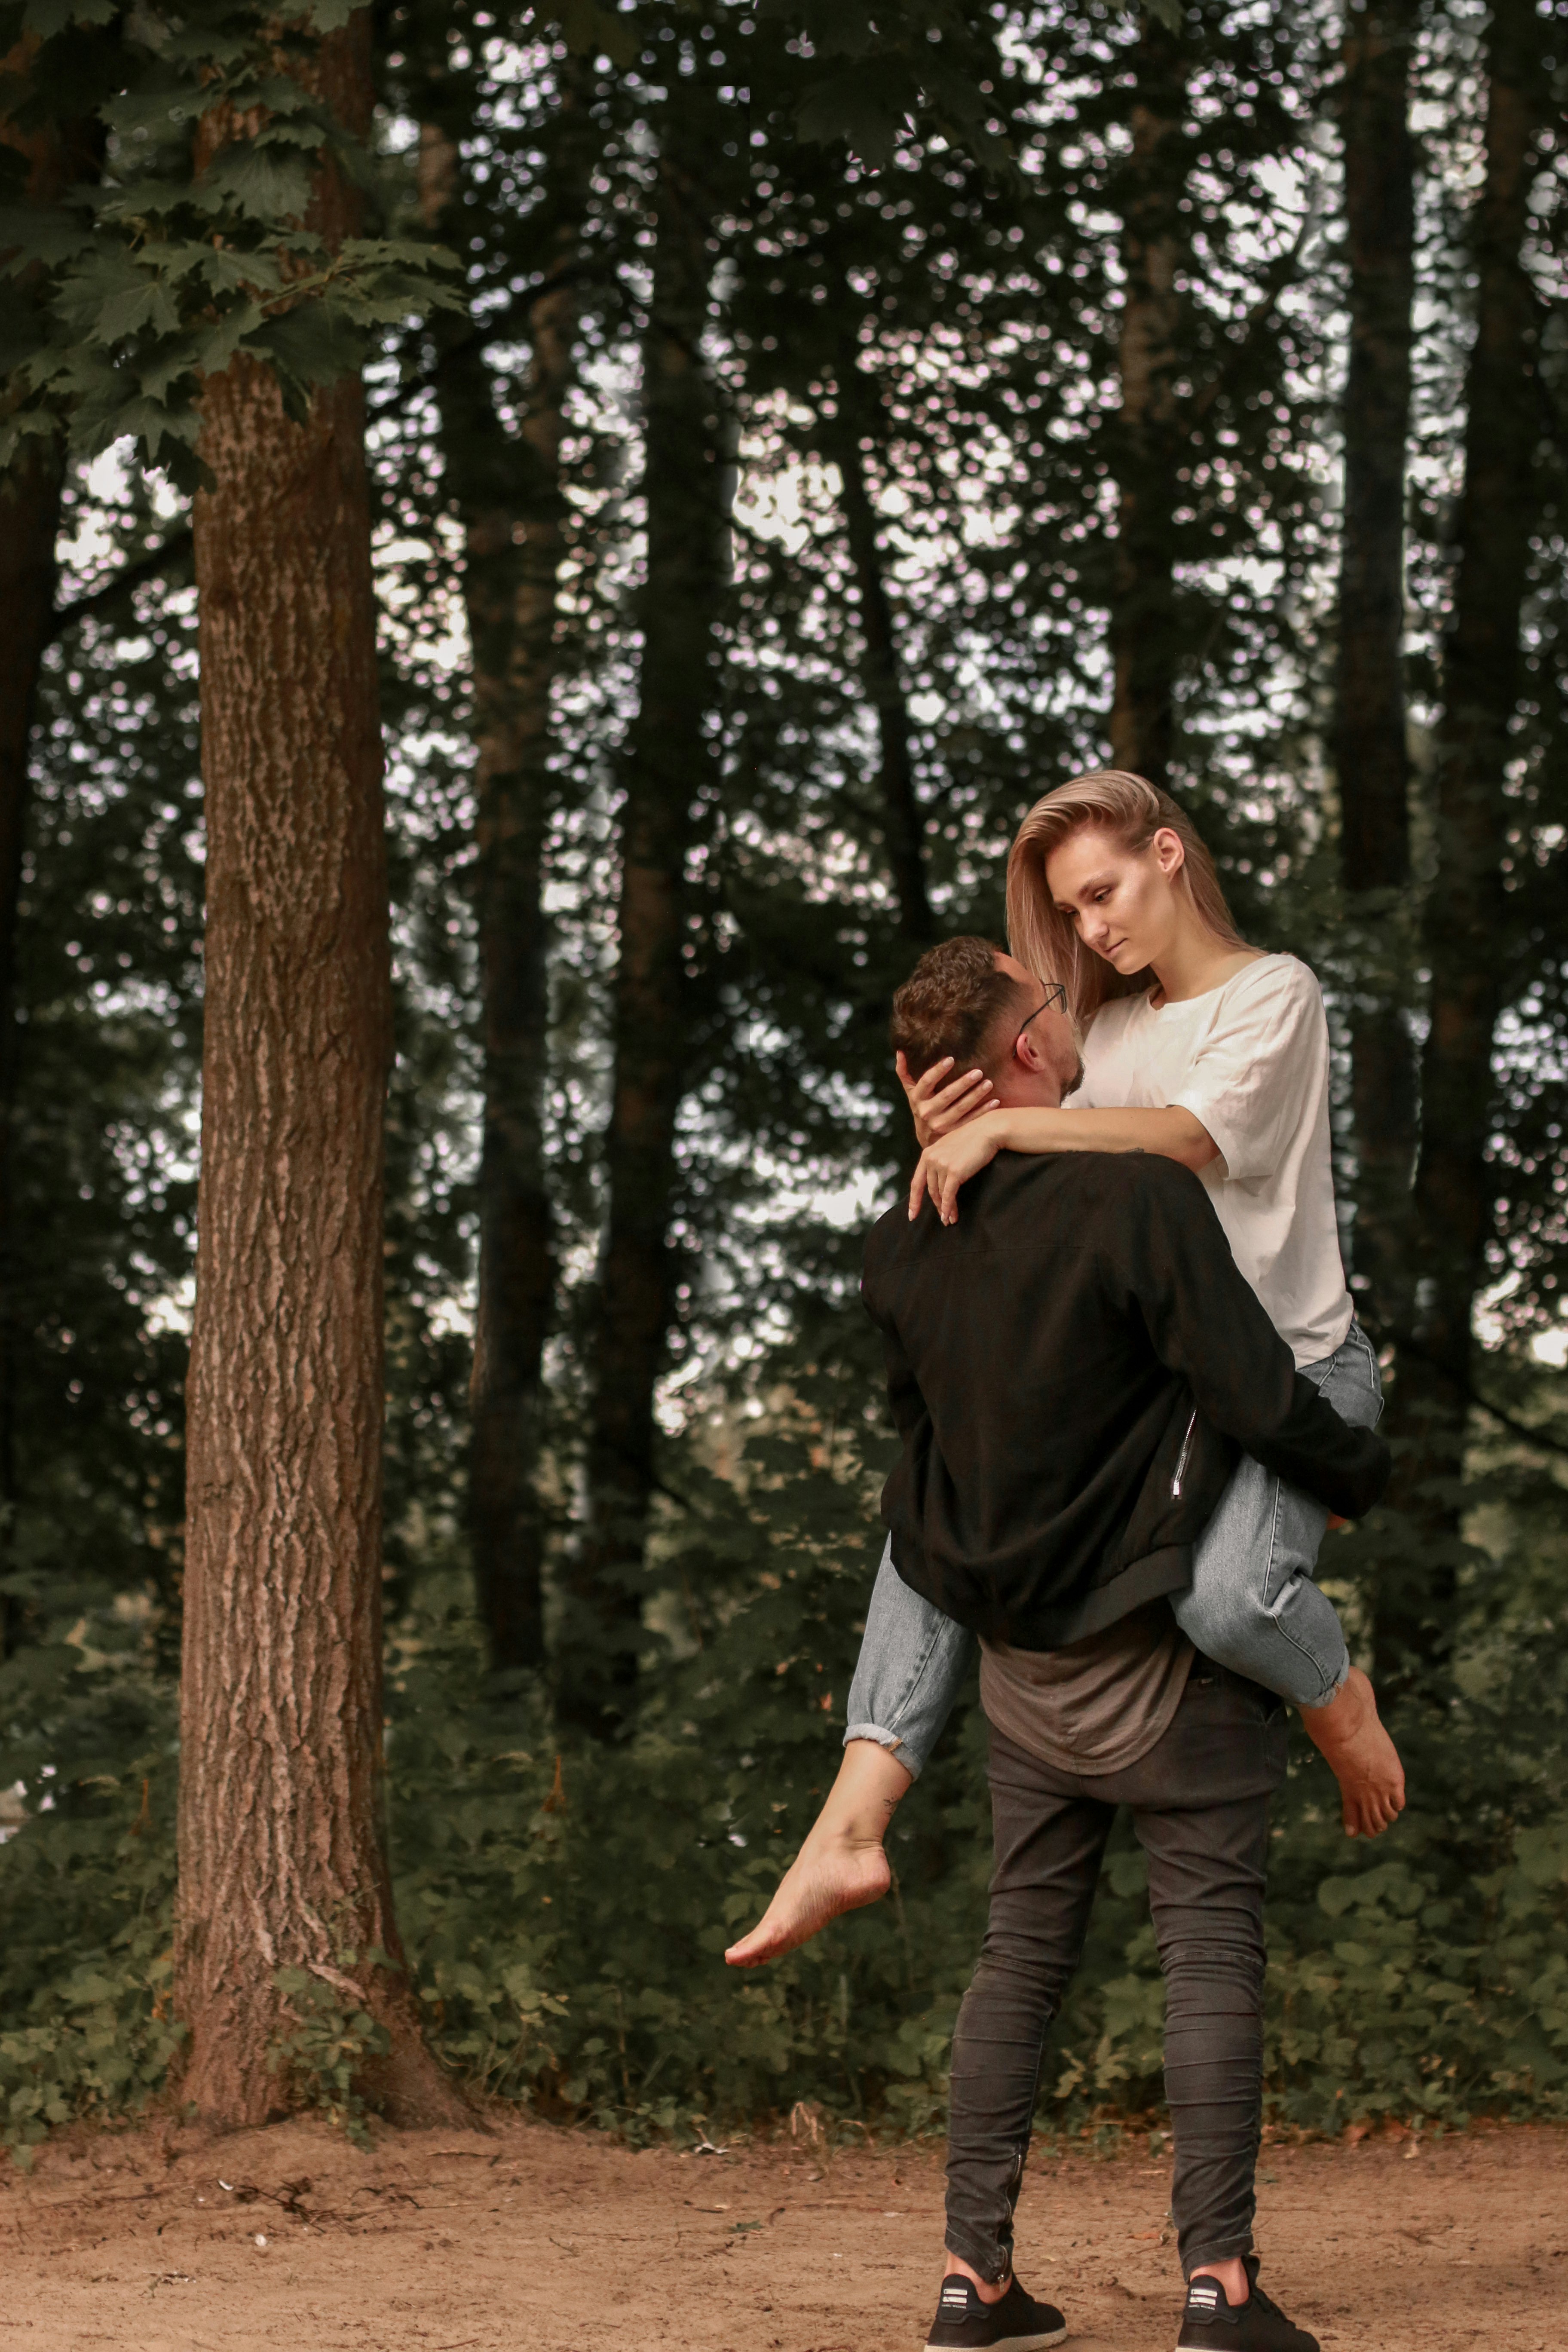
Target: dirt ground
{"x": 536, "y": 2240}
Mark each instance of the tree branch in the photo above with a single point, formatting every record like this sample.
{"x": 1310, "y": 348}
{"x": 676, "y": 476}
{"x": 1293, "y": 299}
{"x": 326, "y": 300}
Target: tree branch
{"x": 1282, "y": 273}
{"x": 129, "y": 576}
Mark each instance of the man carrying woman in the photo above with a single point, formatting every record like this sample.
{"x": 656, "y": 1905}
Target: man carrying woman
{"x": 1199, "y": 1051}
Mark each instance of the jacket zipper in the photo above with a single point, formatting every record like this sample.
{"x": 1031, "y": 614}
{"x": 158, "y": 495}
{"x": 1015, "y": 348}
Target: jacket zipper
{"x": 1182, "y": 1457}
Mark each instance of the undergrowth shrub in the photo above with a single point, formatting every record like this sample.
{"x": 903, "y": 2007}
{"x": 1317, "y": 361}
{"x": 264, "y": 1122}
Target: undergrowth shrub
{"x": 565, "y": 1907}
{"x": 86, "y": 1897}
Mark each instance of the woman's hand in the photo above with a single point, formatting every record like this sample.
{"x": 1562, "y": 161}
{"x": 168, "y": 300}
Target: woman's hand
{"x": 940, "y": 1104}
{"x": 949, "y": 1162}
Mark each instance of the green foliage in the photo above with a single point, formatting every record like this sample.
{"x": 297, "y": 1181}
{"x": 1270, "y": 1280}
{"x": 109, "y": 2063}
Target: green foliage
{"x": 167, "y": 265}
{"x": 930, "y": 61}
{"x": 87, "y": 1892}
{"x": 567, "y": 1910}
{"x": 330, "y": 2035}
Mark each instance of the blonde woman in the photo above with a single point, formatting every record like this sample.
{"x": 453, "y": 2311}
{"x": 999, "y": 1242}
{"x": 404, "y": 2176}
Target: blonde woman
{"x": 1211, "y": 1053}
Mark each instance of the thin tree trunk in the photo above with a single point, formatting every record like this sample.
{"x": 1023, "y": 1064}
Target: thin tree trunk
{"x": 667, "y": 765}
{"x": 903, "y": 818}
{"x": 1143, "y": 589}
{"x": 508, "y": 499}
{"x": 57, "y": 157}
{"x": 1466, "y": 908}
{"x": 1368, "y": 739}
{"x": 29, "y": 523}
{"x": 281, "y": 1844}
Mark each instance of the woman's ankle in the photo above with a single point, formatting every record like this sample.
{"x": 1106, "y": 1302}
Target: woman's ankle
{"x": 1341, "y": 1709}
{"x": 864, "y": 1797}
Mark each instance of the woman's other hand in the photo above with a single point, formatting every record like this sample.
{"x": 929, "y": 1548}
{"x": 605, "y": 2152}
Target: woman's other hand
{"x": 949, "y": 1162}
{"x": 940, "y": 1103}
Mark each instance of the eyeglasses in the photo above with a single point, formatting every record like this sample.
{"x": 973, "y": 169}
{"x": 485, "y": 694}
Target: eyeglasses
{"x": 1056, "y": 996}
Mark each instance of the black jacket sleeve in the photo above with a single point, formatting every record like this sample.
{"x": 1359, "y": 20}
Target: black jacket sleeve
{"x": 904, "y": 1399}
{"x": 1205, "y": 1322}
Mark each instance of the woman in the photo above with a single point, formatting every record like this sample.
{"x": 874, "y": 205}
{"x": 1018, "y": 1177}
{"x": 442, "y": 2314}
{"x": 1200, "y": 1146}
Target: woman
{"x": 1212, "y": 1053}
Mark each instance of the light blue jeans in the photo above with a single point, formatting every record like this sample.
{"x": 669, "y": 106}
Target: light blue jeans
{"x": 1253, "y": 1606}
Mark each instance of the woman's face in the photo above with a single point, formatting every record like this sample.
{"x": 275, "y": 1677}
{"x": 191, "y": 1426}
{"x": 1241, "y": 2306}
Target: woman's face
{"x": 1123, "y": 902}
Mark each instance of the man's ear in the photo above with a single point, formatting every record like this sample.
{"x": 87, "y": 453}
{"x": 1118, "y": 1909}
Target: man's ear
{"x": 1026, "y": 1051}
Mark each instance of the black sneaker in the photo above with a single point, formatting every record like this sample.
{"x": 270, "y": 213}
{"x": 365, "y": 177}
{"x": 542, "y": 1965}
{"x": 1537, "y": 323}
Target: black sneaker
{"x": 1014, "y": 2322}
{"x": 1211, "y": 2322}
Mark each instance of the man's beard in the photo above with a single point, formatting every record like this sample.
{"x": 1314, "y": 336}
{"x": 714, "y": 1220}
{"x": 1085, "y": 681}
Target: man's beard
{"x": 1075, "y": 1082}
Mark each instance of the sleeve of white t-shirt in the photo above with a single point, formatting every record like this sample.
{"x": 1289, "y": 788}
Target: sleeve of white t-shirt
{"x": 1266, "y": 1052}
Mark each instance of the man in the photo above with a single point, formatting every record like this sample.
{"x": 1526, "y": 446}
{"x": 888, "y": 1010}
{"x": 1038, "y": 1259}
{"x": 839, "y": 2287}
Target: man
{"x": 1072, "y": 1366}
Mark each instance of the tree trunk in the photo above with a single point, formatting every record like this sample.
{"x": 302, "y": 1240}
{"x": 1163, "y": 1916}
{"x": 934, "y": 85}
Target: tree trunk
{"x": 1466, "y": 908}
{"x": 1368, "y": 735}
{"x": 667, "y": 769}
{"x": 1143, "y": 589}
{"x": 508, "y": 499}
{"x": 57, "y": 157}
{"x": 29, "y": 521}
{"x": 283, "y": 1852}
{"x": 903, "y": 818}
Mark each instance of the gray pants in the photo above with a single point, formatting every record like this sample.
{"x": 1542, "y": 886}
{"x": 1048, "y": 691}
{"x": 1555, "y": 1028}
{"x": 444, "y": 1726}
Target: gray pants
{"x": 1254, "y": 1603}
{"x": 1200, "y": 1810}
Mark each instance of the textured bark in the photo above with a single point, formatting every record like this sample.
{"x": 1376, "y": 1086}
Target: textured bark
{"x": 57, "y": 156}
{"x": 667, "y": 767}
{"x": 1466, "y": 913}
{"x": 282, "y": 1847}
{"x": 1143, "y": 639}
{"x": 903, "y": 818}
{"x": 1369, "y": 732}
{"x": 508, "y": 499}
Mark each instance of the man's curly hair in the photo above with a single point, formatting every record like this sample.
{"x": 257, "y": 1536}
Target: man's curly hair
{"x": 958, "y": 1001}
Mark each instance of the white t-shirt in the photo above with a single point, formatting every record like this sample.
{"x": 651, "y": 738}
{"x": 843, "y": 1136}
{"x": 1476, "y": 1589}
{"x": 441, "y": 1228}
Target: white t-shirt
{"x": 1250, "y": 1060}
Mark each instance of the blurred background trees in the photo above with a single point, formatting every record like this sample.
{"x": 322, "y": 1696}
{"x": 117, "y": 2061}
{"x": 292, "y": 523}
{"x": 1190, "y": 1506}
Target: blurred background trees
{"x": 793, "y": 440}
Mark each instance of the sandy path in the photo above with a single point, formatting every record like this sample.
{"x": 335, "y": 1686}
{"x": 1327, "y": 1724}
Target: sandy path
{"x": 542, "y": 2240}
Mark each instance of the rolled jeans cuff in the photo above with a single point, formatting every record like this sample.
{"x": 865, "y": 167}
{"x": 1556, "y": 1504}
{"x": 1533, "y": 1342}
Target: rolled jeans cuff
{"x": 1341, "y": 1679}
{"x": 913, "y": 1662}
{"x": 883, "y": 1739}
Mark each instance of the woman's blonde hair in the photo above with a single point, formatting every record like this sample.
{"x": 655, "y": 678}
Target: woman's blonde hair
{"x": 1132, "y": 811}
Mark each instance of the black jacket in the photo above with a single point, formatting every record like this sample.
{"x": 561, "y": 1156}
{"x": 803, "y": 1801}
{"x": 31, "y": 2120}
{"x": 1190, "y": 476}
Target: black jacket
{"x": 1072, "y": 1368}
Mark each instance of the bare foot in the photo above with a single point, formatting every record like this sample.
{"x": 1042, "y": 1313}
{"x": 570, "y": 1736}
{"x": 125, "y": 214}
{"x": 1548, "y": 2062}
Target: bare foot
{"x": 833, "y": 1873}
{"x": 842, "y": 1864}
{"x": 1350, "y": 1736}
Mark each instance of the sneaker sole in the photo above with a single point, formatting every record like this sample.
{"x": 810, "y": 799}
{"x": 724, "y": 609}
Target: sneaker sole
{"x": 1035, "y": 2343}
{"x": 1211, "y": 2345}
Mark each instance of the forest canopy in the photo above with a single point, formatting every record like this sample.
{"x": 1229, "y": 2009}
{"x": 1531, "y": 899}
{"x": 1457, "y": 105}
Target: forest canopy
{"x": 545, "y": 555}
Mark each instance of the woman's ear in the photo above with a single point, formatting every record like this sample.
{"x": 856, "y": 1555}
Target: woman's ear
{"x": 1170, "y": 850}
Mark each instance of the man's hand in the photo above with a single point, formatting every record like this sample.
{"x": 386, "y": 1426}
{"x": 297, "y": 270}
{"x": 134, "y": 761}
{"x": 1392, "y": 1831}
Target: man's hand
{"x": 945, "y": 1166}
{"x": 939, "y": 1103}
